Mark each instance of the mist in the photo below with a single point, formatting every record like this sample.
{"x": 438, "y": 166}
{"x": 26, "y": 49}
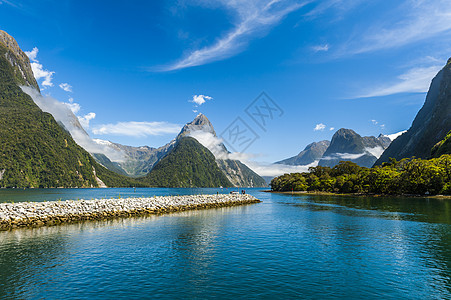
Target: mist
{"x": 63, "y": 114}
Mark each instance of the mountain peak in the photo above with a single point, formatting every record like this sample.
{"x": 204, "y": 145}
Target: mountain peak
{"x": 200, "y": 119}
{"x": 200, "y": 123}
{"x": 18, "y": 59}
{"x": 343, "y": 132}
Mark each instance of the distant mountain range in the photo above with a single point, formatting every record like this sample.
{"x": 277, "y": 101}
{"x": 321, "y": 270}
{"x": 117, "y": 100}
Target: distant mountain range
{"x": 346, "y": 144}
{"x": 140, "y": 161}
{"x": 312, "y": 153}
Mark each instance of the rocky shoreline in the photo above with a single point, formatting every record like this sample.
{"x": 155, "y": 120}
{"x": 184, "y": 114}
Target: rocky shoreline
{"x": 35, "y": 214}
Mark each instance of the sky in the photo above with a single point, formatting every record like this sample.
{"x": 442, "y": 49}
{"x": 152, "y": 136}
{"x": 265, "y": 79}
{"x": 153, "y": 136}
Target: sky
{"x": 286, "y": 73}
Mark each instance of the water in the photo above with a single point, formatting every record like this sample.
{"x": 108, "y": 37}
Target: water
{"x": 313, "y": 247}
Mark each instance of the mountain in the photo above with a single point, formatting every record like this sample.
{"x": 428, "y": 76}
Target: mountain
{"x": 347, "y": 145}
{"x": 313, "y": 152}
{"x": 189, "y": 164}
{"x": 430, "y": 125}
{"x": 238, "y": 173}
{"x": 35, "y": 151}
{"x": 136, "y": 161}
{"x": 139, "y": 161}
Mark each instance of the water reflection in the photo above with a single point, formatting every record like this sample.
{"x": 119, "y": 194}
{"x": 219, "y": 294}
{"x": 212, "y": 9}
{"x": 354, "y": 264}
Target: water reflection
{"x": 286, "y": 247}
{"x": 431, "y": 210}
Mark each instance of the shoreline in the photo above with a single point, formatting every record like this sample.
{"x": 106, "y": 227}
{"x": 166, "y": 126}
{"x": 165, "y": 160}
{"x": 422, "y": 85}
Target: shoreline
{"x": 312, "y": 193}
{"x": 36, "y": 214}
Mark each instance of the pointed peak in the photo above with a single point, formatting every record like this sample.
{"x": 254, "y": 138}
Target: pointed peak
{"x": 344, "y": 131}
{"x": 200, "y": 119}
{"x": 200, "y": 123}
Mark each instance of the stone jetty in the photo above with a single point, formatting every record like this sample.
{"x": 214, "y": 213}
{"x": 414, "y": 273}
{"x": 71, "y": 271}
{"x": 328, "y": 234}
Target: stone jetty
{"x": 34, "y": 214}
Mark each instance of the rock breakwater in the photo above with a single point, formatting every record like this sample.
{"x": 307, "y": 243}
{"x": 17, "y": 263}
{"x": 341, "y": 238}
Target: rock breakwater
{"x": 34, "y": 214}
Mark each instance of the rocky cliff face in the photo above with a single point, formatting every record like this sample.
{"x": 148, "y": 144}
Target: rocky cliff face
{"x": 313, "y": 152}
{"x": 431, "y": 124}
{"x": 18, "y": 60}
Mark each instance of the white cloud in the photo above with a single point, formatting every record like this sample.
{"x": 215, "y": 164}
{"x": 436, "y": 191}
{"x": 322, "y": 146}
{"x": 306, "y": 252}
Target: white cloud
{"x": 414, "y": 20}
{"x": 74, "y": 107}
{"x": 332, "y": 128}
{"x": 200, "y": 99}
{"x": 321, "y": 48}
{"x": 319, "y": 127}
{"x": 416, "y": 80}
{"x": 344, "y": 156}
{"x": 273, "y": 170}
{"x": 32, "y": 54}
{"x": 395, "y": 135}
{"x": 137, "y": 129}
{"x": 38, "y": 70}
{"x": 84, "y": 120}
{"x": 62, "y": 112}
{"x": 213, "y": 143}
{"x": 253, "y": 17}
{"x": 376, "y": 151}
{"x": 66, "y": 87}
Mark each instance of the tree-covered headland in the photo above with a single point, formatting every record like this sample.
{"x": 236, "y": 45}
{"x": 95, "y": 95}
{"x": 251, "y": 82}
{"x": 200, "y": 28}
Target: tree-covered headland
{"x": 407, "y": 176}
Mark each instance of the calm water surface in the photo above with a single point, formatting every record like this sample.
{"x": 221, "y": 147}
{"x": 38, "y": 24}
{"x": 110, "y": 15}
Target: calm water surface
{"x": 313, "y": 247}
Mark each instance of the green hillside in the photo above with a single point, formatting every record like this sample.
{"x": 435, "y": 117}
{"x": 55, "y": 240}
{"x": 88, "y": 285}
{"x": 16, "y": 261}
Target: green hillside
{"x": 189, "y": 164}
{"x": 442, "y": 147}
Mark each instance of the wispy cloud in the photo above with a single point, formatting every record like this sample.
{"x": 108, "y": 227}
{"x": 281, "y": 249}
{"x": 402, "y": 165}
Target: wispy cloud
{"x": 137, "y": 129}
{"x": 319, "y": 127}
{"x": 200, "y": 99}
{"x": 66, "y": 87}
{"x": 272, "y": 170}
{"x": 415, "y": 80}
{"x": 63, "y": 113}
{"x": 38, "y": 70}
{"x": 344, "y": 156}
{"x": 395, "y": 135}
{"x": 256, "y": 16}
{"x": 417, "y": 20}
{"x": 321, "y": 48}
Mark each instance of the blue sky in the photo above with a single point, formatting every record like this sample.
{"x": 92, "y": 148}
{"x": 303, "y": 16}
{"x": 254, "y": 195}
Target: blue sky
{"x": 131, "y": 69}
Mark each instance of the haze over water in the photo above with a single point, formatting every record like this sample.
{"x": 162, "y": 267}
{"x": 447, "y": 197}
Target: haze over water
{"x": 286, "y": 246}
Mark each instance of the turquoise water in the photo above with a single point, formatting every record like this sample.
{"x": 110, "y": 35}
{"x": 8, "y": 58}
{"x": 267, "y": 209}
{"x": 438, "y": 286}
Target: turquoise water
{"x": 313, "y": 247}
